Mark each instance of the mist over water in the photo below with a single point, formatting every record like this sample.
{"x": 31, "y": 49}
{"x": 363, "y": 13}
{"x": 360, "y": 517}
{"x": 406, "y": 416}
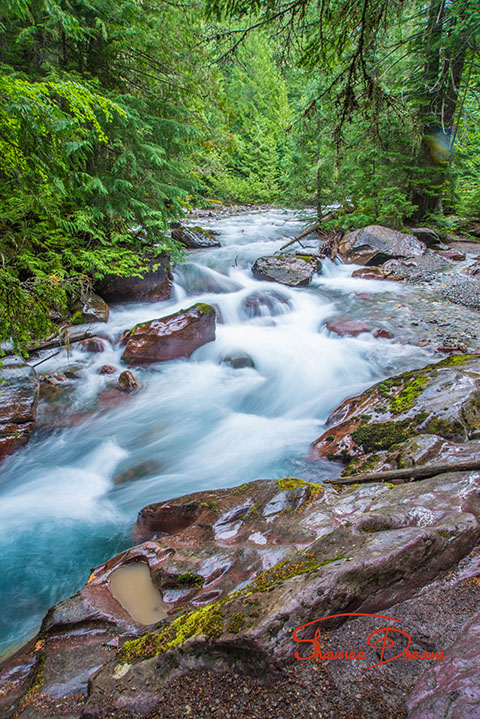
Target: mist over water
{"x": 68, "y": 500}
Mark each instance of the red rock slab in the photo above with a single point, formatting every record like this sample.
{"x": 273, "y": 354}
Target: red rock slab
{"x": 172, "y": 337}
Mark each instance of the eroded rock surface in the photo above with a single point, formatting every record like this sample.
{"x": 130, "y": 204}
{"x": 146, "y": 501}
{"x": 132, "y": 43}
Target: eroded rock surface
{"x": 237, "y": 571}
{"x": 167, "y": 338}
{"x": 291, "y": 270}
{"x": 416, "y": 417}
{"x": 18, "y": 404}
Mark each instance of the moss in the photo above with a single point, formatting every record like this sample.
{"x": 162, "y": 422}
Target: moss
{"x": 240, "y": 487}
{"x": 355, "y": 467}
{"x": 307, "y": 258}
{"x": 446, "y": 533}
{"x": 38, "y": 679}
{"x": 236, "y": 623}
{"x": 381, "y": 435}
{"x": 201, "y": 231}
{"x": 405, "y": 400}
{"x": 202, "y": 308}
{"x": 288, "y": 483}
{"x": 190, "y": 578}
{"x": 207, "y": 621}
{"x": 443, "y": 427}
{"x": 455, "y": 360}
{"x": 288, "y": 569}
{"x": 77, "y": 318}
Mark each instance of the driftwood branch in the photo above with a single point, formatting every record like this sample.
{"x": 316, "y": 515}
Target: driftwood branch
{"x": 411, "y": 474}
{"x": 60, "y": 341}
{"x": 303, "y": 234}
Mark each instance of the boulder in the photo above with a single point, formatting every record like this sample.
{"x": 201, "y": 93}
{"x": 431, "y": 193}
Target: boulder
{"x": 369, "y": 273}
{"x": 261, "y": 304}
{"x": 232, "y": 575}
{"x": 19, "y": 391}
{"x": 368, "y": 432}
{"x": 375, "y": 244}
{"x": 127, "y": 382}
{"x": 194, "y": 238}
{"x": 93, "y": 344}
{"x": 382, "y": 333}
{"x": 426, "y": 235}
{"x": 107, "y": 369}
{"x": 344, "y": 327}
{"x": 92, "y": 309}
{"x": 291, "y": 270}
{"x": 473, "y": 270}
{"x": 454, "y": 255}
{"x": 153, "y": 286}
{"x": 171, "y": 337}
{"x": 238, "y": 361}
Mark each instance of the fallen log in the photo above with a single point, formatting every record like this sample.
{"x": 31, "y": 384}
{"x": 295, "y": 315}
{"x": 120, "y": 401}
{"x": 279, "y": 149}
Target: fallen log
{"x": 410, "y": 474}
{"x": 59, "y": 341}
{"x": 299, "y": 237}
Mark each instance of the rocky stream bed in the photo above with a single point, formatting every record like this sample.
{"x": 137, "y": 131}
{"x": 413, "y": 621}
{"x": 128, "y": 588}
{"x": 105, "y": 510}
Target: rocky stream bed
{"x": 246, "y": 444}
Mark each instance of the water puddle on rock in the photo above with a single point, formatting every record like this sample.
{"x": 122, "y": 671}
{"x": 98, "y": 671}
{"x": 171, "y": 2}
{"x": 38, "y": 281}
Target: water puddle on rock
{"x": 133, "y": 588}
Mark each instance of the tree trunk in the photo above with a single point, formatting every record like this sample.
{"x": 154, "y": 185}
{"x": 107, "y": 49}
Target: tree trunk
{"x": 446, "y": 44}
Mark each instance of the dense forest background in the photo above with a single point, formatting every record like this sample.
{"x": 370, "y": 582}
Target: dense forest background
{"x": 117, "y": 115}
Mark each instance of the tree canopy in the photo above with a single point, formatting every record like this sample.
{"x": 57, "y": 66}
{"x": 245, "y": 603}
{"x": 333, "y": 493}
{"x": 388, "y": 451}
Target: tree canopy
{"x": 116, "y": 116}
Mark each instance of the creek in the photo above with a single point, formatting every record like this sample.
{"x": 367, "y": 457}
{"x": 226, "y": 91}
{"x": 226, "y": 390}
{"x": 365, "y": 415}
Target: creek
{"x": 68, "y": 499}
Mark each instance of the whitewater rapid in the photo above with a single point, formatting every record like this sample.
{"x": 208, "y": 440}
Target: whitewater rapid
{"x": 68, "y": 500}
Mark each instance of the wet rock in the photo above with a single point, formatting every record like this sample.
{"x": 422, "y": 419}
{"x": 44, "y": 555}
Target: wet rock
{"x": 18, "y": 404}
{"x": 194, "y": 238}
{"x": 93, "y": 344}
{"x": 345, "y": 327}
{"x": 167, "y": 338}
{"x": 473, "y": 270}
{"x": 127, "y": 382}
{"x": 426, "y": 235}
{"x": 459, "y": 348}
{"x": 238, "y": 361}
{"x": 291, "y": 270}
{"x": 454, "y": 255}
{"x": 369, "y": 273}
{"x": 382, "y": 333}
{"x": 450, "y": 688}
{"x": 262, "y": 304}
{"x": 92, "y": 309}
{"x": 237, "y": 571}
{"x": 153, "y": 286}
{"x": 375, "y": 244}
{"x": 442, "y": 400}
{"x": 107, "y": 369}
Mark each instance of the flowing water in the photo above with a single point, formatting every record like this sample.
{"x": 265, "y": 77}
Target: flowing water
{"x": 68, "y": 500}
